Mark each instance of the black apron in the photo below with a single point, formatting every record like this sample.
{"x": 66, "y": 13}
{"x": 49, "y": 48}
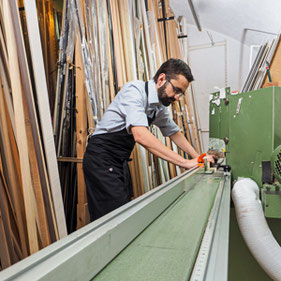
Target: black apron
{"x": 106, "y": 170}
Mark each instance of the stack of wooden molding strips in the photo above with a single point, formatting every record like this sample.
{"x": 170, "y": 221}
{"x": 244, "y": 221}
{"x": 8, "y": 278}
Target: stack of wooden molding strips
{"x": 64, "y": 123}
{"x": 64, "y": 60}
{"x": 47, "y": 16}
{"x": 257, "y": 74}
{"x": 92, "y": 60}
{"x": 81, "y": 129}
{"x": 103, "y": 45}
{"x": 188, "y": 100}
{"x": 44, "y": 113}
{"x": 135, "y": 48}
{"x": 154, "y": 60}
{"x": 31, "y": 208}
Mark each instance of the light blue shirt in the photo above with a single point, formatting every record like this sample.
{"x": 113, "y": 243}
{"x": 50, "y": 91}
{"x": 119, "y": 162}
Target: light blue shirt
{"x": 131, "y": 107}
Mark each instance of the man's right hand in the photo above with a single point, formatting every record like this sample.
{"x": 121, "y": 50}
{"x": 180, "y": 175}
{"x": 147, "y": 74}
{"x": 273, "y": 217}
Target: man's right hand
{"x": 193, "y": 162}
{"x": 190, "y": 163}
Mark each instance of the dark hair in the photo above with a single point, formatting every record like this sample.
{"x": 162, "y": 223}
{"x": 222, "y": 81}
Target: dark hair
{"x": 173, "y": 67}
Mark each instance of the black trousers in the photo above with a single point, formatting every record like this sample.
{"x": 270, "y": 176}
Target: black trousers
{"x": 106, "y": 173}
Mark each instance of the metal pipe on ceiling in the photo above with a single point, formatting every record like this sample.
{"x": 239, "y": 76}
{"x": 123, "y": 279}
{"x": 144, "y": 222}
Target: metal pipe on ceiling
{"x": 194, "y": 15}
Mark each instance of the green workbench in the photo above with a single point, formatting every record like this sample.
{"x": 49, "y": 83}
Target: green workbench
{"x": 167, "y": 248}
{"x": 177, "y": 231}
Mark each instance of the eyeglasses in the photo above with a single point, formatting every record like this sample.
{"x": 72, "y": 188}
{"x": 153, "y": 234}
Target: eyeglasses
{"x": 177, "y": 91}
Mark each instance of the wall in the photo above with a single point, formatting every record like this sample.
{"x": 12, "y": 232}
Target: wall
{"x": 214, "y": 66}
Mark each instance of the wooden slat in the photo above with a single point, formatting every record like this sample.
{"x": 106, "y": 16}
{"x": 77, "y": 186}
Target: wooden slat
{"x": 3, "y": 43}
{"x": 45, "y": 44}
{"x": 172, "y": 36}
{"x": 91, "y": 123}
{"x": 118, "y": 47}
{"x": 4, "y": 74}
{"x": 81, "y": 134}
{"x": 147, "y": 39}
{"x": 126, "y": 38}
{"x": 59, "y": 74}
{"x": 52, "y": 54}
{"x": 21, "y": 135}
{"x": 11, "y": 170}
{"x": 37, "y": 187}
{"x": 45, "y": 116}
{"x": 6, "y": 189}
{"x": 26, "y": 83}
{"x": 152, "y": 5}
{"x": 172, "y": 168}
{"x": 184, "y": 112}
{"x": 97, "y": 61}
{"x": 103, "y": 54}
{"x": 161, "y": 30}
{"x": 194, "y": 132}
{"x": 110, "y": 55}
{"x": 7, "y": 216}
{"x": 5, "y": 245}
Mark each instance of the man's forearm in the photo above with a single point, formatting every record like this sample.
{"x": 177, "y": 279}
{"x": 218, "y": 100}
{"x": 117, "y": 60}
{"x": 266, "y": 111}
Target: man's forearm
{"x": 179, "y": 139}
{"x": 152, "y": 144}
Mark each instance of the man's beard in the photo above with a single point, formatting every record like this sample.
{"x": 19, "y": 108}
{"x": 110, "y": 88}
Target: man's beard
{"x": 163, "y": 97}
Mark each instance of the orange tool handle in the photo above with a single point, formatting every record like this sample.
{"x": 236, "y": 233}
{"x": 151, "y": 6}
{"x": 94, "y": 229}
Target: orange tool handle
{"x": 200, "y": 160}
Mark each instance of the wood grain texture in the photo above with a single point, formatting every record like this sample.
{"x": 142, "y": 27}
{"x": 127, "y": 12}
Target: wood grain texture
{"x": 11, "y": 169}
{"x": 28, "y": 95}
{"x": 45, "y": 116}
{"x": 21, "y": 136}
{"x": 81, "y": 134}
{"x": 41, "y": 219}
{"x": 275, "y": 68}
{"x": 118, "y": 46}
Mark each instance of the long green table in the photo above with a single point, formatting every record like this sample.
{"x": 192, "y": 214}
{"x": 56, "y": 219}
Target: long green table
{"x": 178, "y": 231}
{"x": 167, "y": 248}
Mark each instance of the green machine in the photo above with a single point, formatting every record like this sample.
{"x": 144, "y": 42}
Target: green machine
{"x": 247, "y": 127}
{"x": 271, "y": 190}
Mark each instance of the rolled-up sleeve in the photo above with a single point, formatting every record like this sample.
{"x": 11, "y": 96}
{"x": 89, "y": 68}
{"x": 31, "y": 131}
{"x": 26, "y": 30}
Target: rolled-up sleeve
{"x": 133, "y": 105}
{"x": 165, "y": 123}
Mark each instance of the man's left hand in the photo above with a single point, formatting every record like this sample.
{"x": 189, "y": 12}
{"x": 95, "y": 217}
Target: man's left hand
{"x": 210, "y": 158}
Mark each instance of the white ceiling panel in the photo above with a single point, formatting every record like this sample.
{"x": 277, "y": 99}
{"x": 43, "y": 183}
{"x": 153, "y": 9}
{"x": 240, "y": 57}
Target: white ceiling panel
{"x": 234, "y": 18}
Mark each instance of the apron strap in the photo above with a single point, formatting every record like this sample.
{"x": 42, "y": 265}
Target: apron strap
{"x": 150, "y": 119}
{"x": 146, "y": 88}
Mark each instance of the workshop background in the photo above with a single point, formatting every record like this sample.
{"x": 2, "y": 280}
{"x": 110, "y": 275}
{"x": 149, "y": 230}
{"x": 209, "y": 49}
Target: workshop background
{"x": 61, "y": 64}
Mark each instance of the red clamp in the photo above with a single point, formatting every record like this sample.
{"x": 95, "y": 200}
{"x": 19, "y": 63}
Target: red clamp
{"x": 200, "y": 160}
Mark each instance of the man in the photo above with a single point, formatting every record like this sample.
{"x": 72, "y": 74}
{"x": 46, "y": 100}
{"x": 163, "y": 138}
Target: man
{"x": 125, "y": 122}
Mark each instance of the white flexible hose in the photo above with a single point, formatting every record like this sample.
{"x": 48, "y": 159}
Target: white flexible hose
{"x": 254, "y": 228}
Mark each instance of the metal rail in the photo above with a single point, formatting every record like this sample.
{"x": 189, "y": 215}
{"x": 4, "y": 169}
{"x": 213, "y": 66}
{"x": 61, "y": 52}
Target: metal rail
{"x": 212, "y": 259}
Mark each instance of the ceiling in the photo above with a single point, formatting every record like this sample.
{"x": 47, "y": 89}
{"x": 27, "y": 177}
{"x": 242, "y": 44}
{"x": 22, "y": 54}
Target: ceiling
{"x": 234, "y": 18}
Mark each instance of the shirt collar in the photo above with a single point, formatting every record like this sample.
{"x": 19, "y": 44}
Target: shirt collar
{"x": 152, "y": 93}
